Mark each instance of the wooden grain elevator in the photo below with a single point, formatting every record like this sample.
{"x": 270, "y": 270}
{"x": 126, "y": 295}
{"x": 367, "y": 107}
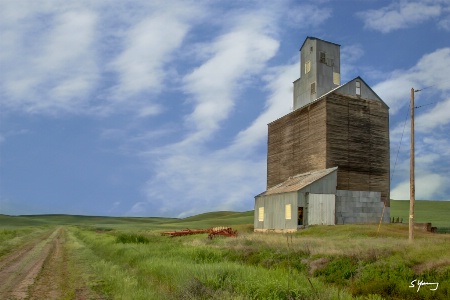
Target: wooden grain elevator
{"x": 333, "y": 129}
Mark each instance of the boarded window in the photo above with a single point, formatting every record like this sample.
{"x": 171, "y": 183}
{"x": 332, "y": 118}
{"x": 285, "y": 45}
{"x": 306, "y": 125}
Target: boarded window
{"x": 307, "y": 67}
{"x": 336, "y": 78}
{"x": 330, "y": 62}
{"x": 358, "y": 88}
{"x": 288, "y": 212}
{"x": 322, "y": 58}
{"x": 313, "y": 88}
{"x": 261, "y": 214}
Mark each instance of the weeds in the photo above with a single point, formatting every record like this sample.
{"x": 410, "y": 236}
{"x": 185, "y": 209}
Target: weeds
{"x": 340, "y": 262}
{"x": 131, "y": 239}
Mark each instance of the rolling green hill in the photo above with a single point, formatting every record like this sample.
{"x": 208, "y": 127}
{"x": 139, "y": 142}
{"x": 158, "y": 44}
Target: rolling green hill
{"x": 436, "y": 212}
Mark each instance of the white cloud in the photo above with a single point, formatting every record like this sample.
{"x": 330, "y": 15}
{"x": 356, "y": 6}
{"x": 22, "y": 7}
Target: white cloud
{"x": 149, "y": 45}
{"x": 279, "y": 83}
{"x": 438, "y": 116}
{"x": 52, "y": 53}
{"x": 189, "y": 183}
{"x": 431, "y": 124}
{"x": 235, "y": 56}
{"x": 428, "y": 187}
{"x": 224, "y": 179}
{"x": 402, "y": 14}
{"x": 305, "y": 16}
{"x": 53, "y": 69}
{"x": 207, "y": 179}
{"x": 350, "y": 54}
{"x": 429, "y": 72}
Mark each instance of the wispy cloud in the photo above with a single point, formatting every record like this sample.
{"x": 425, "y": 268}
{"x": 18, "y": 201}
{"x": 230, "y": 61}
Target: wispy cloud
{"x": 279, "y": 83}
{"x": 207, "y": 177}
{"x": 52, "y": 69}
{"x": 71, "y": 62}
{"x": 307, "y": 16}
{"x": 148, "y": 45}
{"x": 403, "y": 14}
{"x": 430, "y": 71}
{"x": 431, "y": 124}
{"x": 235, "y": 56}
{"x": 428, "y": 186}
{"x": 350, "y": 54}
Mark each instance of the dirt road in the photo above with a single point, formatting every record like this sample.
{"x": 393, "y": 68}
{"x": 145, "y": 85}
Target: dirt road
{"x": 36, "y": 270}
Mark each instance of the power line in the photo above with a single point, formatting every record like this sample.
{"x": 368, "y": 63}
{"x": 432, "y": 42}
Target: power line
{"x": 398, "y": 149}
{"x": 426, "y": 104}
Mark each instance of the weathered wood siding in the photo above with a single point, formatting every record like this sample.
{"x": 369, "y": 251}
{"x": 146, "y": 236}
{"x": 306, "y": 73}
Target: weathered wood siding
{"x": 338, "y": 130}
{"x": 358, "y": 143}
{"x": 297, "y": 143}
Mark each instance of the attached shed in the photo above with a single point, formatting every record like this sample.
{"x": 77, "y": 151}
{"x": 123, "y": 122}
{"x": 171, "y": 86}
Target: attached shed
{"x": 303, "y": 199}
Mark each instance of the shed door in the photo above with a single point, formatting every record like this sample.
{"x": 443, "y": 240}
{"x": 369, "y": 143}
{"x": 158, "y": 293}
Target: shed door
{"x": 321, "y": 209}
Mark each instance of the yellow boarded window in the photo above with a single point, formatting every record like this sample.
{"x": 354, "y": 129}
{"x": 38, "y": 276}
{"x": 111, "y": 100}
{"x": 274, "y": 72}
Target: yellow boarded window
{"x": 336, "y": 78}
{"x": 307, "y": 67}
{"x": 288, "y": 212}
{"x": 261, "y": 214}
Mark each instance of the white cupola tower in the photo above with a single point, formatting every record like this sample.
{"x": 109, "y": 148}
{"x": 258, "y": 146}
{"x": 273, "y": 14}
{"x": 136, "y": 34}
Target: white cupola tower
{"x": 319, "y": 71}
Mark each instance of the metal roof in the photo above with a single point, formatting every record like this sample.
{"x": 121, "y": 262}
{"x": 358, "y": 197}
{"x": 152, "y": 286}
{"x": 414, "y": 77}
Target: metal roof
{"x": 297, "y": 182}
{"x": 314, "y": 38}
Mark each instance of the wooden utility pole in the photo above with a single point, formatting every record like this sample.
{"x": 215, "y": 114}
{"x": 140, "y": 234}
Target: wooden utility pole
{"x": 411, "y": 174}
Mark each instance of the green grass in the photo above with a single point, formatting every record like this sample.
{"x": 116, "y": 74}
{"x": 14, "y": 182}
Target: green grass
{"x": 323, "y": 262}
{"x": 127, "y": 258}
{"x": 435, "y": 212}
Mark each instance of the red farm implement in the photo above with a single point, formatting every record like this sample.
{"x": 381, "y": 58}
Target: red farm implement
{"x": 212, "y": 232}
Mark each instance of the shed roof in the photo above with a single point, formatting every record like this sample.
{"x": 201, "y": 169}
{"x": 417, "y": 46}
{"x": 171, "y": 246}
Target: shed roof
{"x": 297, "y": 182}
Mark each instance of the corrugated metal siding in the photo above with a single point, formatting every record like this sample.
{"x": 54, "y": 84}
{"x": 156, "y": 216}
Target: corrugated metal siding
{"x": 275, "y": 209}
{"x": 275, "y": 204}
{"x": 321, "y": 209}
{"x": 259, "y": 202}
{"x": 350, "y": 89}
{"x": 321, "y": 74}
{"x": 325, "y": 185}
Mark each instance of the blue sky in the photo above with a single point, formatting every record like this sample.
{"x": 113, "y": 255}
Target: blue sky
{"x": 160, "y": 108}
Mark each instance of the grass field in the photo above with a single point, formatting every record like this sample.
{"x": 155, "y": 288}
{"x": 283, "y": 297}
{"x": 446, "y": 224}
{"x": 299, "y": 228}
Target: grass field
{"x": 127, "y": 258}
{"x": 436, "y": 212}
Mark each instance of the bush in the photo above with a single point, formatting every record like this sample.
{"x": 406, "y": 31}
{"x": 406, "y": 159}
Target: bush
{"x": 131, "y": 239}
{"x": 339, "y": 270}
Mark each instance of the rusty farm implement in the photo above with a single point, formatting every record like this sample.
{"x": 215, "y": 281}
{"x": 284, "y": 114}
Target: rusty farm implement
{"x": 212, "y": 232}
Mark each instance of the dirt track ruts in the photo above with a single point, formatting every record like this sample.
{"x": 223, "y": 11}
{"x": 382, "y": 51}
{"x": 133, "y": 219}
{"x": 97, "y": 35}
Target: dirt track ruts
{"x": 19, "y": 270}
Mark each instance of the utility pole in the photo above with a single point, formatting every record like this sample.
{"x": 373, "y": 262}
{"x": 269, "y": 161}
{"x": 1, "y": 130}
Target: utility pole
{"x": 411, "y": 174}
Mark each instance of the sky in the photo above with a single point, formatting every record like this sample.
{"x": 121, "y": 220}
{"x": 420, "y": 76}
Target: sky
{"x": 160, "y": 108}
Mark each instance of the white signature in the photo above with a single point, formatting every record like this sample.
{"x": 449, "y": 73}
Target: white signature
{"x": 421, "y": 283}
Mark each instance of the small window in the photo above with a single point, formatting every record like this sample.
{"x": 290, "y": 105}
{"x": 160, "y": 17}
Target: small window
{"x": 307, "y": 67}
{"x": 311, "y": 49}
{"x": 336, "y": 78}
{"x": 313, "y": 88}
{"x": 261, "y": 214}
{"x": 358, "y": 88}
{"x": 330, "y": 62}
{"x": 287, "y": 212}
{"x": 322, "y": 58}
